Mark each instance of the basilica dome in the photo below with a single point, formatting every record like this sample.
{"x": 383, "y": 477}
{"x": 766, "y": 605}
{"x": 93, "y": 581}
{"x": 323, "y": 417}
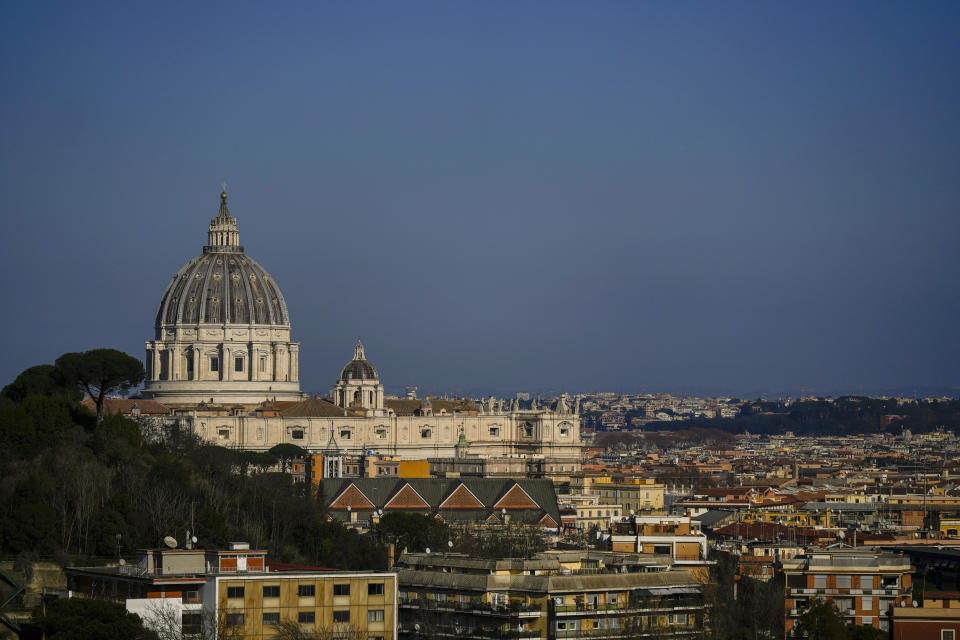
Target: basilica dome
{"x": 222, "y": 285}
{"x": 222, "y": 331}
{"x": 222, "y": 288}
{"x": 359, "y": 368}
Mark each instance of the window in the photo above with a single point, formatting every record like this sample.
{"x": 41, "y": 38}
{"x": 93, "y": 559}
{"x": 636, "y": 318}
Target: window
{"x": 494, "y": 431}
{"x": 234, "y": 619}
{"x": 341, "y": 616}
{"x": 843, "y": 582}
{"x": 271, "y": 591}
{"x": 819, "y": 582}
{"x": 234, "y": 592}
{"x": 866, "y": 582}
{"x": 375, "y": 589}
{"x": 263, "y": 364}
{"x": 272, "y": 617}
{"x": 306, "y": 617}
{"x": 345, "y": 434}
{"x": 214, "y": 364}
{"x": 238, "y": 364}
{"x": 425, "y": 433}
{"x": 306, "y": 590}
{"x": 297, "y": 434}
{"x": 866, "y": 604}
{"x": 381, "y": 434}
{"x": 223, "y": 434}
{"x": 564, "y": 431}
{"x": 948, "y": 634}
{"x": 191, "y": 622}
{"x": 375, "y": 615}
{"x": 341, "y": 589}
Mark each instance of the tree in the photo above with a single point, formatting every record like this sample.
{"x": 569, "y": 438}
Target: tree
{"x": 83, "y": 619}
{"x": 821, "y": 621}
{"x": 41, "y": 380}
{"x": 100, "y": 371}
{"x": 286, "y": 452}
{"x": 412, "y": 531}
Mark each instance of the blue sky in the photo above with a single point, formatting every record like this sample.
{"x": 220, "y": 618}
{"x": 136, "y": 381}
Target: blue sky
{"x": 736, "y": 197}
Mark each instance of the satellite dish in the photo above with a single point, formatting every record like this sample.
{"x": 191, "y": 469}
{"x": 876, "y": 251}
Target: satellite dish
{"x": 193, "y": 539}
{"x": 427, "y": 550}
{"x": 122, "y": 562}
{"x": 170, "y": 541}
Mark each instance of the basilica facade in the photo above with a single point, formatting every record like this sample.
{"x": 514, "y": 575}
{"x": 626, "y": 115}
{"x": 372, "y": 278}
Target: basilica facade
{"x": 223, "y": 362}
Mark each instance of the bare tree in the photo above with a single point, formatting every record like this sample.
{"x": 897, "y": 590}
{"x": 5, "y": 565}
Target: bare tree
{"x": 289, "y": 630}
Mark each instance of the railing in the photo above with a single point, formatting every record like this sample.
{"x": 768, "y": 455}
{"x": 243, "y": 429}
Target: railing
{"x": 630, "y": 632}
{"x": 674, "y": 604}
{"x": 474, "y": 606}
{"x": 457, "y": 631}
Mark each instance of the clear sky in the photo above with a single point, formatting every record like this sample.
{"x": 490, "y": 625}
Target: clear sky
{"x": 500, "y": 196}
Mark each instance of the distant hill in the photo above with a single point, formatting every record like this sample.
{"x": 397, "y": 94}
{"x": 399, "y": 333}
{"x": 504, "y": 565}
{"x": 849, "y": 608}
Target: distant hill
{"x": 845, "y": 415}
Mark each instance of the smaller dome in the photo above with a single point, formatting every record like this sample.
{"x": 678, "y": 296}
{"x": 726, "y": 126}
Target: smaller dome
{"x": 358, "y": 368}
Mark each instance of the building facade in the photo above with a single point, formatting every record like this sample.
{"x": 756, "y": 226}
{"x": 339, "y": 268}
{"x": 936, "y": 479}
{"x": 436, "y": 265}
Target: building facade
{"x": 551, "y": 596}
{"x": 223, "y": 363}
{"x": 863, "y": 585}
{"x": 236, "y": 593}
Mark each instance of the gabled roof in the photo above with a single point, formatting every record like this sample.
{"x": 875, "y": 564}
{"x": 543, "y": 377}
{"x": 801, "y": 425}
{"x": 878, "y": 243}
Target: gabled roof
{"x": 351, "y": 497}
{"x": 313, "y": 408}
{"x": 407, "y": 498}
{"x": 516, "y": 498}
{"x": 461, "y": 498}
{"x": 529, "y": 499}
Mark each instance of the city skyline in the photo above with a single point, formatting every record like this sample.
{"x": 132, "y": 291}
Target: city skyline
{"x": 633, "y": 198}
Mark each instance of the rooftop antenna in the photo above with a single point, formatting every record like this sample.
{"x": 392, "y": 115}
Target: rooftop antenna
{"x": 170, "y": 541}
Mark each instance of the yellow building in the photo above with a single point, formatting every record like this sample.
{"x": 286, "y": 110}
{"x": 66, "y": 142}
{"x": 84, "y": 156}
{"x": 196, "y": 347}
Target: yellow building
{"x": 235, "y": 593}
{"x": 632, "y": 494}
{"x": 347, "y": 604}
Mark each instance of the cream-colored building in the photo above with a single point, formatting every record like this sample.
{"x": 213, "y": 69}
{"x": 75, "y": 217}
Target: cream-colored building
{"x": 222, "y": 360}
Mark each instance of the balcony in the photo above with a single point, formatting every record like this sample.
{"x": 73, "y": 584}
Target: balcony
{"x": 424, "y": 631}
{"x": 473, "y": 607}
{"x": 673, "y": 631}
{"x": 674, "y": 604}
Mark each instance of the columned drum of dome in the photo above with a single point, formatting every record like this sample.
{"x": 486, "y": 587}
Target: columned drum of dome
{"x": 222, "y": 331}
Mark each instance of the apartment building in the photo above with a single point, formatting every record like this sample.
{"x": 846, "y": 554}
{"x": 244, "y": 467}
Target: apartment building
{"x": 937, "y": 619}
{"x": 863, "y": 585}
{"x": 569, "y": 594}
{"x": 632, "y": 495}
{"x": 236, "y": 593}
{"x": 676, "y": 536}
